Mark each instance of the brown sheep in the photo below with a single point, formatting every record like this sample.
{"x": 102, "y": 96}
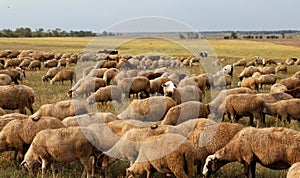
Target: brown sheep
{"x": 267, "y": 79}
{"x": 11, "y": 63}
{"x": 17, "y": 97}
{"x": 149, "y": 109}
{"x": 276, "y": 148}
{"x": 241, "y": 62}
{"x": 15, "y": 74}
{"x": 251, "y": 83}
{"x": 5, "y": 79}
{"x": 135, "y": 85}
{"x": 109, "y": 64}
{"x": 185, "y": 111}
{"x": 198, "y": 81}
{"x": 267, "y": 70}
{"x": 62, "y": 76}
{"x": 294, "y": 171}
{"x": 86, "y": 86}
{"x": 25, "y": 63}
{"x": 105, "y": 94}
{"x": 61, "y": 145}
{"x": 290, "y": 82}
{"x": 6, "y": 118}
{"x": 296, "y": 74}
{"x": 51, "y": 63}
{"x": 285, "y": 108}
{"x": 294, "y": 92}
{"x": 175, "y": 154}
{"x": 60, "y": 110}
{"x": 50, "y": 73}
{"x": 18, "y": 134}
{"x": 35, "y": 64}
{"x": 247, "y": 72}
{"x": 274, "y": 97}
{"x": 281, "y": 68}
{"x": 110, "y": 75}
{"x": 277, "y": 87}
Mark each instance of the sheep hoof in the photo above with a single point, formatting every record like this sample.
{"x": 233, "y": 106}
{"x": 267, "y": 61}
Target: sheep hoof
{"x": 154, "y": 126}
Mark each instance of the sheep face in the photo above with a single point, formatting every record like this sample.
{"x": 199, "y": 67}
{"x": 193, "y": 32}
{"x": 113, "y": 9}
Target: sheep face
{"x": 211, "y": 165}
{"x": 168, "y": 88}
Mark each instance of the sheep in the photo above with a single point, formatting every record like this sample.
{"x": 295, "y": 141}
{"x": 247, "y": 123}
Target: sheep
{"x": 135, "y": 85}
{"x": 222, "y": 81}
{"x": 104, "y": 94}
{"x": 17, "y": 97}
{"x": 277, "y": 87}
{"x": 110, "y": 75}
{"x": 185, "y": 111}
{"x": 290, "y": 82}
{"x": 267, "y": 70}
{"x": 155, "y": 85}
{"x": 289, "y": 61}
{"x": 239, "y": 105}
{"x": 198, "y": 81}
{"x": 62, "y": 76}
{"x": 276, "y": 148}
{"x": 34, "y": 64}
{"x": 149, "y": 109}
{"x": 60, "y": 110}
{"x": 247, "y": 72}
{"x": 296, "y": 74}
{"x": 285, "y": 108}
{"x": 25, "y": 63}
{"x": 176, "y": 154}
{"x": 61, "y": 145}
{"x": 15, "y": 74}
{"x": 241, "y": 62}
{"x": 294, "y": 171}
{"x": 294, "y": 92}
{"x": 109, "y": 64}
{"x": 88, "y": 119}
{"x": 6, "y": 118}
{"x": 18, "y": 134}
{"x": 267, "y": 79}
{"x": 251, "y": 83}
{"x": 5, "y": 79}
{"x": 51, "y": 63}
{"x": 274, "y": 97}
{"x": 183, "y": 94}
{"x": 12, "y": 63}
{"x": 281, "y": 68}
{"x": 84, "y": 87}
{"x": 50, "y": 73}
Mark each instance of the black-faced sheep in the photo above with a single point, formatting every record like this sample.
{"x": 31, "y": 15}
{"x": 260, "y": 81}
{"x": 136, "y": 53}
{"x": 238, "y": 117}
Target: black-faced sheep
{"x": 50, "y": 73}
{"x": 149, "y": 109}
{"x": 294, "y": 171}
{"x": 61, "y": 145}
{"x": 276, "y": 148}
{"x": 5, "y": 79}
{"x": 18, "y": 134}
{"x": 62, "y": 76}
{"x": 135, "y": 85}
{"x": 17, "y": 97}
{"x": 105, "y": 94}
{"x": 60, "y": 110}
{"x": 185, "y": 111}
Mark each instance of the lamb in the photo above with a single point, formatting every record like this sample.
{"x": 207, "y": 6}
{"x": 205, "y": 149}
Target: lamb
{"x": 50, "y": 73}
{"x": 294, "y": 171}
{"x": 294, "y": 92}
{"x": 251, "y": 83}
{"x": 5, "y": 79}
{"x": 277, "y": 87}
{"x": 285, "y": 108}
{"x": 51, "y": 63}
{"x": 149, "y": 109}
{"x": 281, "y": 68}
{"x": 18, "y": 134}
{"x": 176, "y": 154}
{"x": 290, "y": 82}
{"x": 276, "y": 148}
{"x": 185, "y": 111}
{"x": 35, "y": 64}
{"x": 267, "y": 79}
{"x": 61, "y": 145}
{"x": 135, "y": 85}
{"x": 88, "y": 119}
{"x": 105, "y": 94}
{"x": 60, "y": 110}
{"x": 84, "y": 87}
{"x": 17, "y": 97}
{"x": 62, "y": 76}
{"x": 110, "y": 75}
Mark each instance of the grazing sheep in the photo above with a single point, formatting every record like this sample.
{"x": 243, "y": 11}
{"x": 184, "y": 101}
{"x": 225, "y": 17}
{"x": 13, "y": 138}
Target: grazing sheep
{"x": 84, "y": 87}
{"x": 241, "y": 62}
{"x": 290, "y": 61}
{"x": 296, "y": 74}
{"x": 96, "y": 73}
{"x": 60, "y": 110}
{"x": 149, "y": 109}
{"x": 281, "y": 68}
{"x": 35, "y": 64}
{"x": 274, "y": 97}
{"x": 18, "y": 134}
{"x": 294, "y": 171}
{"x": 62, "y": 76}
{"x": 267, "y": 79}
{"x": 61, "y": 145}
{"x": 17, "y": 97}
{"x": 239, "y": 105}
{"x": 251, "y": 83}
{"x": 290, "y": 82}
{"x": 110, "y": 75}
{"x": 88, "y": 119}
{"x": 247, "y": 72}
{"x": 294, "y": 92}
{"x": 277, "y": 87}
{"x": 109, "y": 64}
{"x": 267, "y": 70}
{"x": 15, "y": 74}
{"x": 185, "y": 111}
{"x": 288, "y": 109}
{"x": 105, "y": 94}
{"x": 50, "y": 73}
{"x": 276, "y": 148}
{"x": 6, "y": 118}
{"x": 176, "y": 154}
{"x": 135, "y": 85}
{"x": 25, "y": 63}
{"x": 5, "y": 79}
{"x": 198, "y": 81}
{"x": 12, "y": 63}
{"x": 51, "y": 63}
{"x": 62, "y": 62}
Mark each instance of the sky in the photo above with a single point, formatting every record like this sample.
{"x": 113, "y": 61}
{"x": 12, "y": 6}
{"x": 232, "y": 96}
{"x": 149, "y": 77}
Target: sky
{"x": 201, "y": 15}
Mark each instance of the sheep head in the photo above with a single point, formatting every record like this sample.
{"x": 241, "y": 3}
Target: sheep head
{"x": 168, "y": 88}
{"x": 209, "y": 166}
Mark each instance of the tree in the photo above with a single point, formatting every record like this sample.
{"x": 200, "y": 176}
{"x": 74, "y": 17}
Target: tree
{"x": 181, "y": 36}
{"x": 233, "y": 35}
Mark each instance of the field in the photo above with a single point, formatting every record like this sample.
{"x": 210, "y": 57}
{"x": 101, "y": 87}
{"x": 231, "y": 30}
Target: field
{"x": 230, "y": 49}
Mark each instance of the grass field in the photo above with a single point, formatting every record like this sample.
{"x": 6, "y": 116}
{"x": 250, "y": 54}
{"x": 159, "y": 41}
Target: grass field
{"x": 231, "y": 49}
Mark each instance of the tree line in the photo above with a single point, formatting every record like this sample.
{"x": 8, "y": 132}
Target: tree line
{"x": 57, "y": 32}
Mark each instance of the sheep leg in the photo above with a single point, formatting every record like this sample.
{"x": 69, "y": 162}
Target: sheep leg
{"x": 87, "y": 167}
{"x": 253, "y": 168}
{"x": 53, "y": 169}
{"x": 44, "y": 167}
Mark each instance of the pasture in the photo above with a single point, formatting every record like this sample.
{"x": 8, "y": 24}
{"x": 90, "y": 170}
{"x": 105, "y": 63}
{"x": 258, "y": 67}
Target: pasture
{"x": 233, "y": 50}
